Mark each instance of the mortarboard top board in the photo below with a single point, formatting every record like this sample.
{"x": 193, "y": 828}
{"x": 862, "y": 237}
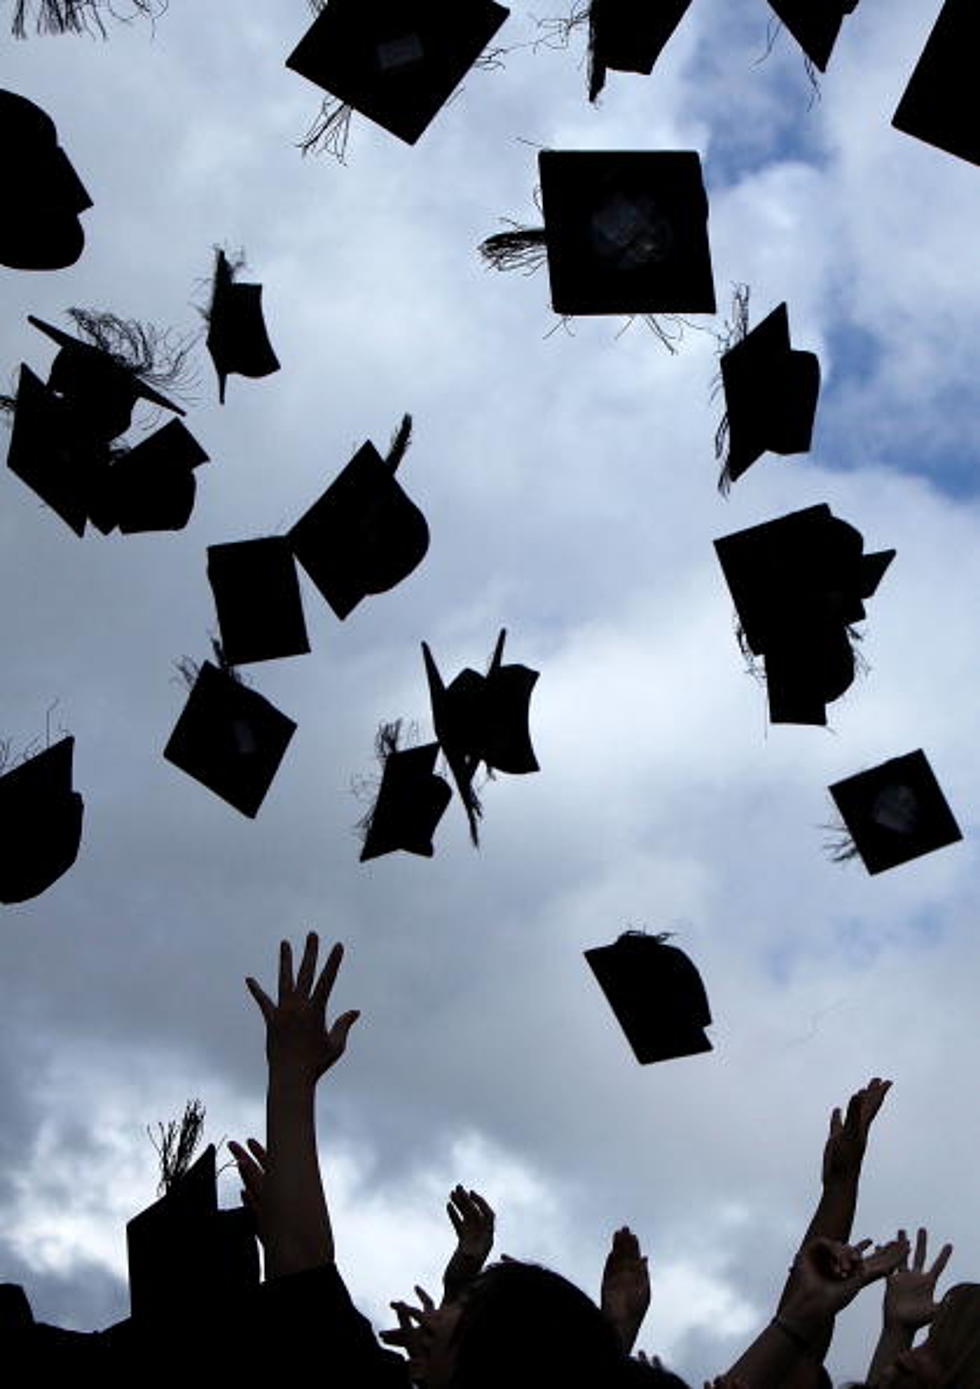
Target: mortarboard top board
{"x": 187, "y": 1255}
{"x": 629, "y": 37}
{"x": 237, "y": 339}
{"x": 395, "y": 61}
{"x": 101, "y": 390}
{"x": 626, "y": 232}
{"x": 40, "y": 823}
{"x": 895, "y": 812}
{"x": 814, "y": 24}
{"x": 770, "y": 394}
{"x": 939, "y": 103}
{"x": 363, "y": 535}
{"x": 656, "y": 994}
{"x": 152, "y": 484}
{"x": 411, "y": 801}
{"x": 229, "y": 738}
{"x": 256, "y": 593}
{"x": 44, "y": 195}
{"x": 45, "y": 454}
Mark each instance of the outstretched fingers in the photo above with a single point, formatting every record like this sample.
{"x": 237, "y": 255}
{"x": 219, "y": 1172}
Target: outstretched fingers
{"x": 328, "y": 975}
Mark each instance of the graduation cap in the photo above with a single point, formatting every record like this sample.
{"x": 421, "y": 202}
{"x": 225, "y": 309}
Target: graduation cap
{"x": 939, "y": 103}
{"x": 256, "y": 593}
{"x": 798, "y": 584}
{"x": 895, "y": 812}
{"x": 152, "y": 485}
{"x": 363, "y": 535}
{"x": 770, "y": 395}
{"x": 100, "y": 386}
{"x": 229, "y": 738}
{"x": 237, "y": 339}
{"x": 411, "y": 799}
{"x": 186, "y": 1255}
{"x": 40, "y": 823}
{"x": 40, "y": 229}
{"x": 395, "y": 61}
{"x": 46, "y": 453}
{"x": 629, "y": 37}
{"x": 482, "y": 718}
{"x": 656, "y": 994}
{"x": 814, "y": 25}
{"x": 624, "y": 232}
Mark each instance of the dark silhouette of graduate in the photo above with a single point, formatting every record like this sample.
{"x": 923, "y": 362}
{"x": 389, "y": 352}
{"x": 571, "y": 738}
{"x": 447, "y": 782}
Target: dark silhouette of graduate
{"x": 40, "y": 225}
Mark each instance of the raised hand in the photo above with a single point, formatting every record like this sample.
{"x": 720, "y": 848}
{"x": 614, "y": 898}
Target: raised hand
{"x": 625, "y": 1294}
{"x": 829, "y": 1274}
{"x": 424, "y": 1333}
{"x": 472, "y": 1218}
{"x": 848, "y": 1138}
{"x": 909, "y": 1301}
{"x": 298, "y": 1040}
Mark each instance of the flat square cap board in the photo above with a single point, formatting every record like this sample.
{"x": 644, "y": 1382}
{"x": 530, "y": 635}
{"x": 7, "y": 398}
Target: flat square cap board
{"x": 230, "y": 739}
{"x": 940, "y": 102}
{"x": 45, "y": 454}
{"x": 814, "y": 24}
{"x": 656, "y": 994}
{"x": 256, "y": 593}
{"x": 626, "y": 232}
{"x": 396, "y": 61}
{"x": 40, "y": 822}
{"x": 363, "y": 536}
{"x": 411, "y": 801}
{"x": 237, "y": 338}
{"x": 152, "y": 486}
{"x": 770, "y": 394}
{"x": 895, "y": 812}
{"x": 43, "y": 195}
{"x": 629, "y": 36}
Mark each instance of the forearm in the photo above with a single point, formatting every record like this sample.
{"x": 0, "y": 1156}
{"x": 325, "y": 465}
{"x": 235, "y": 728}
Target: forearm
{"x": 893, "y": 1340}
{"x": 459, "y": 1274}
{"x": 832, "y": 1219}
{"x": 297, "y": 1223}
{"x": 791, "y": 1340}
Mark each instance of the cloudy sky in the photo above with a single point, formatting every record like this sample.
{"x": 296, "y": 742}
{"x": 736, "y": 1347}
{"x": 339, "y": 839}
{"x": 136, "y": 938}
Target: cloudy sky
{"x": 569, "y": 482}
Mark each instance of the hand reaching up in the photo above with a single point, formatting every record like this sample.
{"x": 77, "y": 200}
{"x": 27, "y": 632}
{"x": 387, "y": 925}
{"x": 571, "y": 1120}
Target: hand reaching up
{"x": 625, "y": 1294}
{"x": 848, "y": 1138}
{"x": 909, "y": 1291}
{"x": 298, "y": 1040}
{"x": 829, "y": 1274}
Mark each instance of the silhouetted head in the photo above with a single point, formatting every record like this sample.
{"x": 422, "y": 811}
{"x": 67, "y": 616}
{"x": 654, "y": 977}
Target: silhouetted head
{"x": 949, "y": 1357}
{"x": 524, "y": 1326}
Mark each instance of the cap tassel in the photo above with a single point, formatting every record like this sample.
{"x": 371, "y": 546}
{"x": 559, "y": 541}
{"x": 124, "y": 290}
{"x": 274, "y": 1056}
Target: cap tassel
{"x": 839, "y": 846}
{"x": 330, "y": 130}
{"x": 521, "y": 248}
{"x": 735, "y": 331}
{"x": 400, "y": 441}
{"x": 73, "y": 16}
{"x": 177, "y": 1144}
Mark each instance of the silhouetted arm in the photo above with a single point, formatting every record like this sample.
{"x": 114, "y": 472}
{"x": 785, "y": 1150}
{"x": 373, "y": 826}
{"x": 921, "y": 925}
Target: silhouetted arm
{"x": 625, "y": 1294}
{"x": 908, "y": 1304}
{"x": 472, "y": 1218}
{"x": 293, "y": 1221}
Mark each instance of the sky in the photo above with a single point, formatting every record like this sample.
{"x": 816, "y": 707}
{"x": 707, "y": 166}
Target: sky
{"x": 568, "y": 479}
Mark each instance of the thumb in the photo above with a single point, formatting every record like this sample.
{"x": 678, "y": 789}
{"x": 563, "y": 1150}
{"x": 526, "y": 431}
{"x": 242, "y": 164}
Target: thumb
{"x": 343, "y": 1025}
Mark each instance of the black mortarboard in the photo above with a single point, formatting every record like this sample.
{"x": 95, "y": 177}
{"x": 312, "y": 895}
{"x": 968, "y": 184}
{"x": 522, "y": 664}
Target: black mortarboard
{"x": 770, "y": 395}
{"x": 939, "y": 104}
{"x": 237, "y": 338}
{"x": 814, "y": 25}
{"x": 395, "y": 61}
{"x": 40, "y": 229}
{"x": 40, "y": 823}
{"x": 629, "y": 37}
{"x": 152, "y": 485}
{"x": 482, "y": 718}
{"x": 895, "y": 812}
{"x": 657, "y": 996}
{"x": 411, "y": 800}
{"x": 798, "y": 584}
{"x": 229, "y": 738}
{"x": 626, "y": 232}
{"x": 186, "y": 1255}
{"x": 256, "y": 593}
{"x": 45, "y": 451}
{"x": 363, "y": 535}
{"x": 101, "y": 390}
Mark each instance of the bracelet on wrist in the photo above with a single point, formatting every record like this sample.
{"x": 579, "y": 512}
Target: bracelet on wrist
{"x": 800, "y": 1342}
